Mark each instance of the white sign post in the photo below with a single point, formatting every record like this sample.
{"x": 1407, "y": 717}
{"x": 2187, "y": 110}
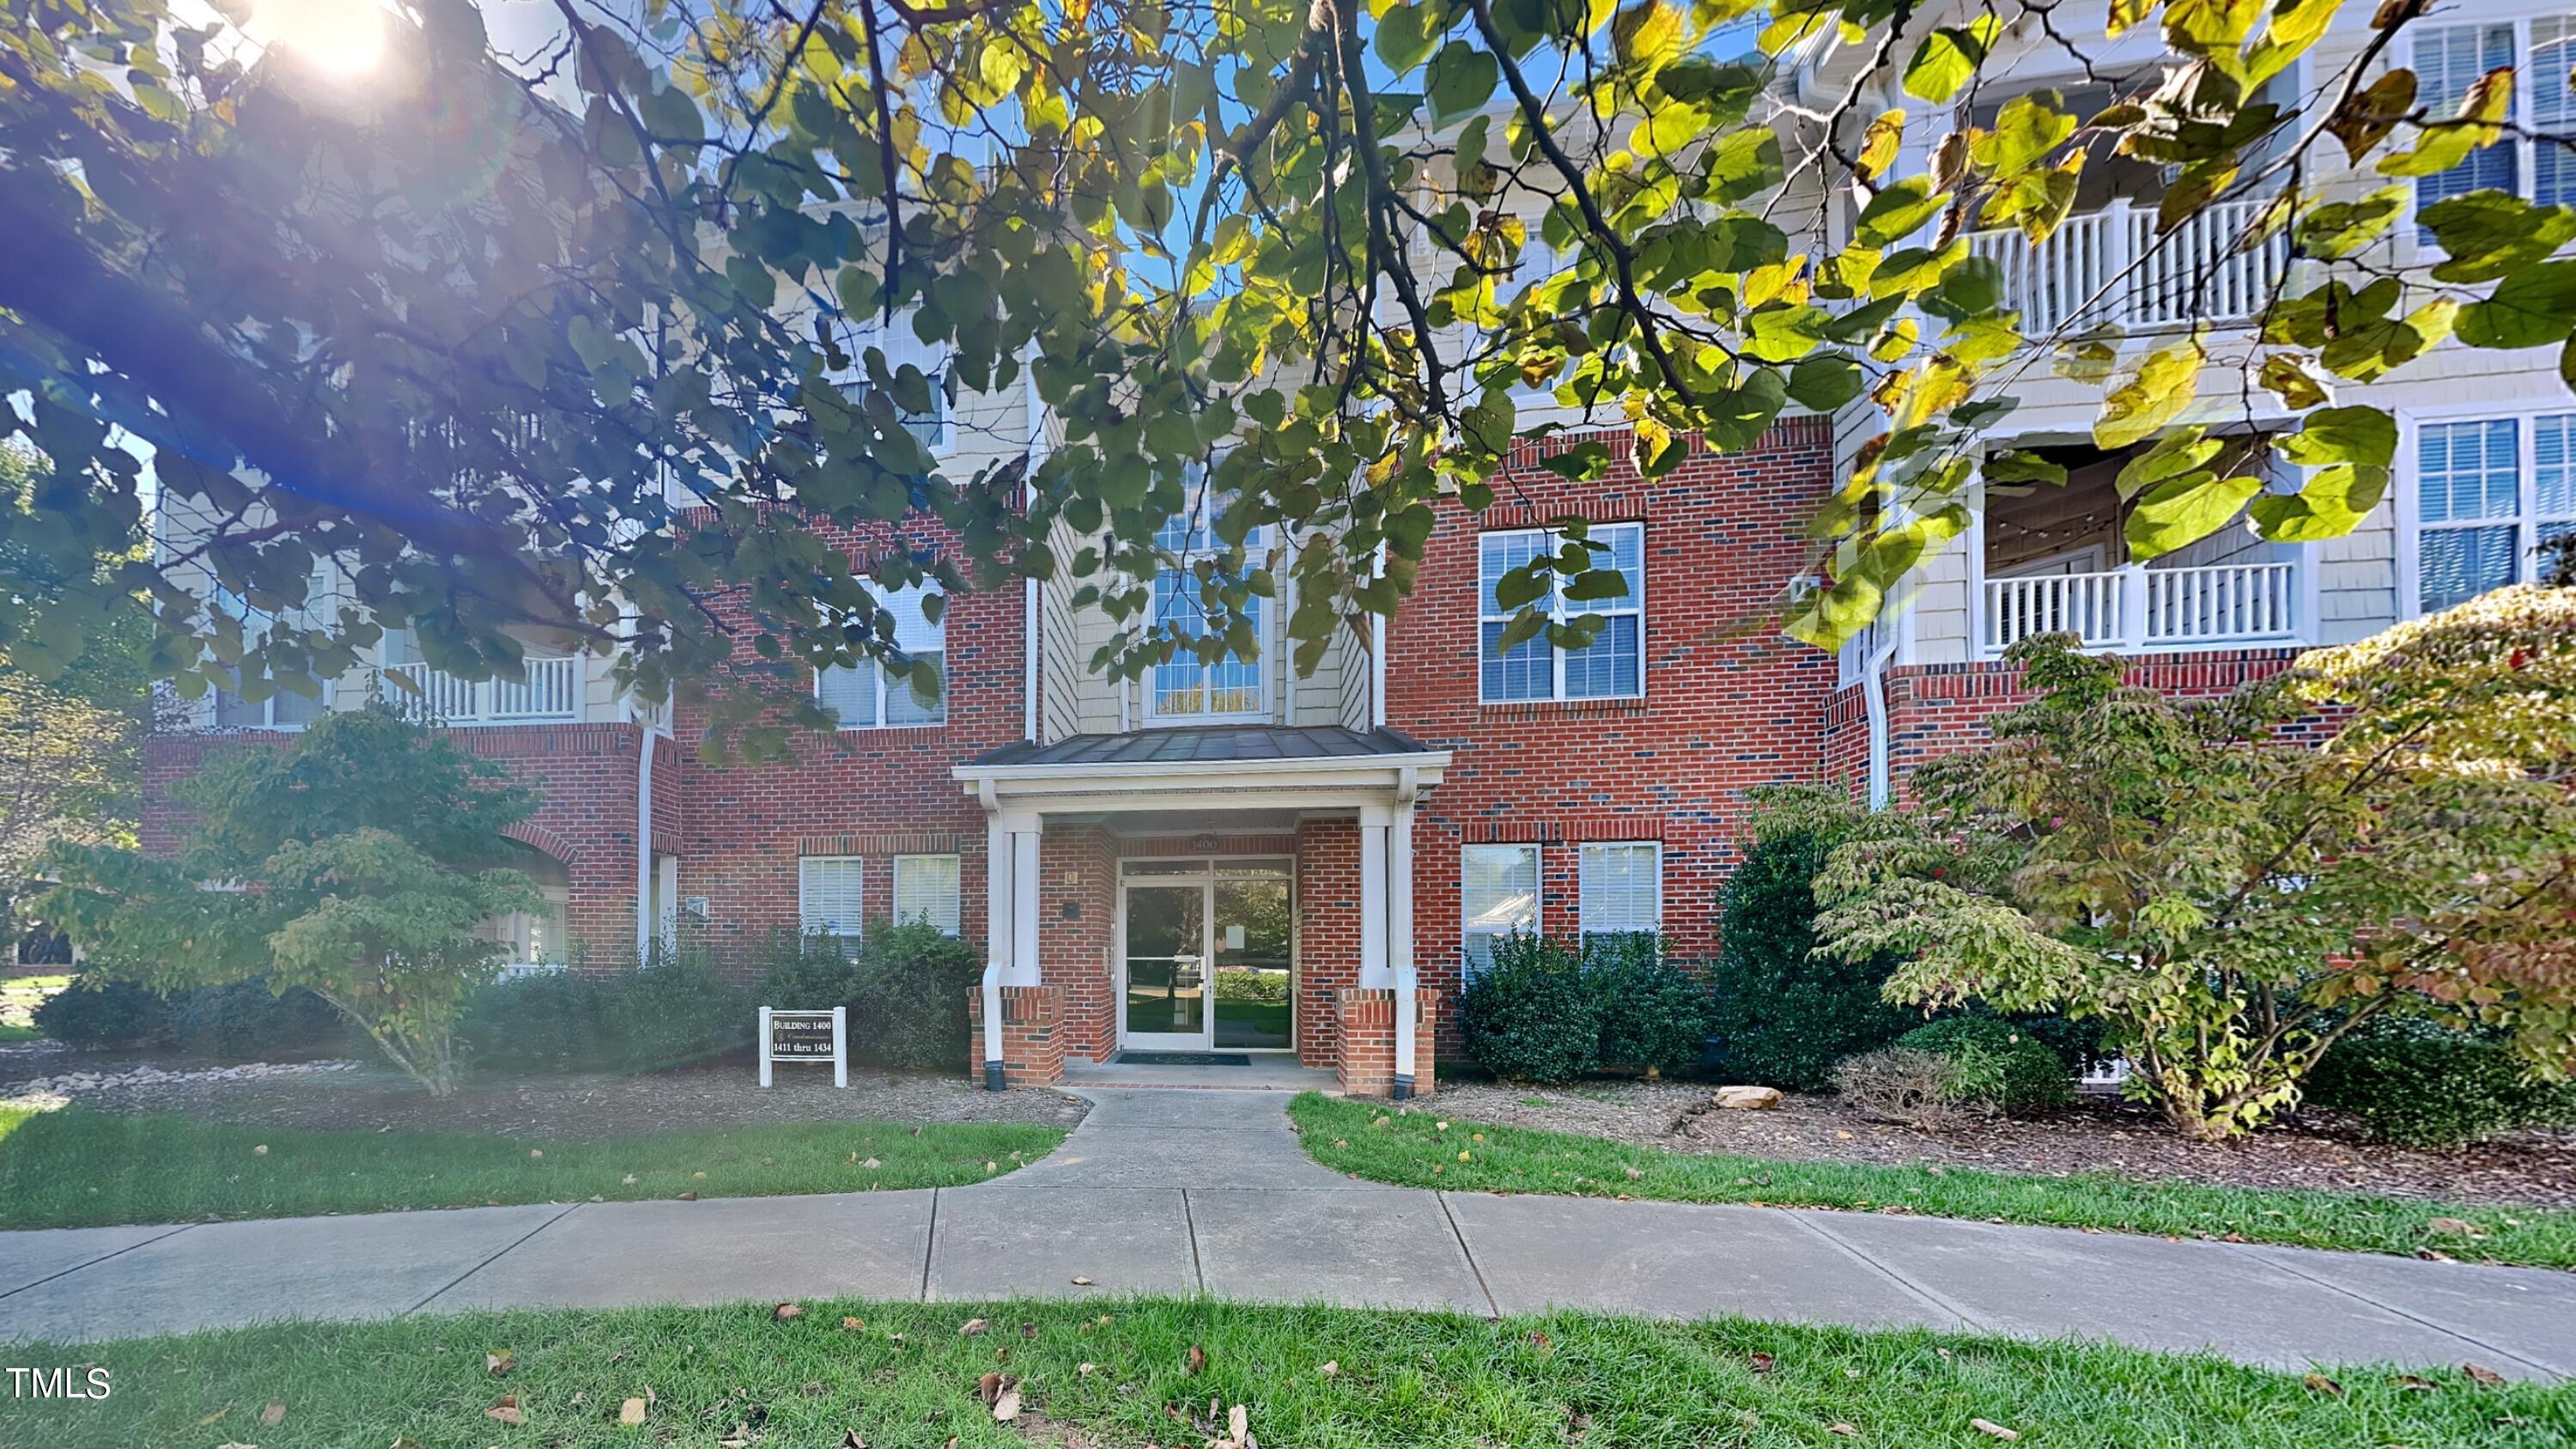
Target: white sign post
{"x": 806, "y": 1036}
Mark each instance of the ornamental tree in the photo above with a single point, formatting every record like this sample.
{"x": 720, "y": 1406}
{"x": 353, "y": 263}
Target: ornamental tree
{"x": 474, "y": 325}
{"x": 356, "y": 862}
{"x": 2230, "y": 902}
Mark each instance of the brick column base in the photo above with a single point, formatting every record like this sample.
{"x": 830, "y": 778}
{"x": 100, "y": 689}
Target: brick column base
{"x": 1365, "y": 1058}
{"x": 1032, "y": 1035}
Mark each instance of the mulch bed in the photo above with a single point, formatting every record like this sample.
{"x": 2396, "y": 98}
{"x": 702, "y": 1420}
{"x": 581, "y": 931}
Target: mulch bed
{"x": 721, "y": 1093}
{"x": 2100, "y": 1134}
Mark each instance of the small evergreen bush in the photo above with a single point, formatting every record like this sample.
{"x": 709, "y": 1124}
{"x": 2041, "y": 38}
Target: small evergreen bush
{"x": 911, "y": 1009}
{"x": 2422, "y": 1084}
{"x": 1781, "y": 1017}
{"x": 92, "y": 1013}
{"x": 1997, "y": 1064}
{"x": 1530, "y": 1017}
{"x": 670, "y": 1010}
{"x": 245, "y": 1021}
{"x": 1653, "y": 1015}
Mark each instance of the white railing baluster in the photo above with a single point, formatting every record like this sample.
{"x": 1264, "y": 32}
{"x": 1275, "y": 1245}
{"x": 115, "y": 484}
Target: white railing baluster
{"x": 551, "y": 693}
{"x": 2214, "y": 604}
{"x": 2113, "y": 260}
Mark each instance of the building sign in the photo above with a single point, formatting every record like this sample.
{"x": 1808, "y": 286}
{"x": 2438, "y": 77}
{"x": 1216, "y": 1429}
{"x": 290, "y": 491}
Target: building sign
{"x": 805, "y": 1036}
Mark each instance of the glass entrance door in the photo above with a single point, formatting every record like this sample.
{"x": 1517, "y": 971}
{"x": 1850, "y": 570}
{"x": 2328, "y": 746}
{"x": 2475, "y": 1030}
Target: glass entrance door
{"x": 1207, "y": 950}
{"x": 1166, "y": 966}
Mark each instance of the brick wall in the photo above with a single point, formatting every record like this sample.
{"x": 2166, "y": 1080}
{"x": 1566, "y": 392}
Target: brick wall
{"x": 1729, "y": 702}
{"x": 867, "y": 792}
{"x": 1328, "y": 933}
{"x": 1365, "y": 1061}
{"x": 1032, "y": 1035}
{"x": 1077, "y": 926}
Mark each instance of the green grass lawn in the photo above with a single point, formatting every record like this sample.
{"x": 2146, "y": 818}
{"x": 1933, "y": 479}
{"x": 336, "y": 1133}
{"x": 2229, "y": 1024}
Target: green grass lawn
{"x": 1120, "y": 1374}
{"x": 11, "y": 1031}
{"x": 1410, "y": 1149}
{"x": 76, "y": 1168}
{"x": 19, "y": 998}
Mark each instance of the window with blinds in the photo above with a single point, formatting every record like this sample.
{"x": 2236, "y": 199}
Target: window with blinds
{"x": 2487, "y": 492}
{"x": 2449, "y": 59}
{"x": 1231, "y": 689}
{"x": 872, "y": 696}
{"x": 1622, "y": 888}
{"x": 925, "y": 890}
{"x": 828, "y": 899}
{"x": 1612, "y": 666}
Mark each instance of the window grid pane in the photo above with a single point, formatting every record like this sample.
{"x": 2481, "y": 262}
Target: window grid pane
{"x": 2448, "y": 60}
{"x": 828, "y": 897}
{"x": 1612, "y": 666}
{"x": 1621, "y": 887}
{"x": 2553, "y": 466}
{"x": 2458, "y": 564}
{"x": 848, "y": 694}
{"x": 2468, "y": 470}
{"x": 1497, "y": 894}
{"x": 925, "y": 890}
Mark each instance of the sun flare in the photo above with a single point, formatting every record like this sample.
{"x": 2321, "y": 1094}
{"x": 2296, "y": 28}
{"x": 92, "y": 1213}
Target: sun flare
{"x": 342, "y": 37}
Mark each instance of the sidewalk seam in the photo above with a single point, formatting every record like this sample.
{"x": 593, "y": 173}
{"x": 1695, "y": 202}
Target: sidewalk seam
{"x": 1807, "y": 1218}
{"x": 1190, "y": 1230}
{"x": 101, "y": 1258}
{"x": 1492, "y": 1308}
{"x": 2246, "y": 1250}
{"x": 930, "y": 1239}
{"x": 496, "y": 1256}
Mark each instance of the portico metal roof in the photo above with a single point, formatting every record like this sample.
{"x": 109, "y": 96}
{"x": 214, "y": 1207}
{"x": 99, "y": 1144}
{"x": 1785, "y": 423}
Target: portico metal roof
{"x": 1210, "y": 745}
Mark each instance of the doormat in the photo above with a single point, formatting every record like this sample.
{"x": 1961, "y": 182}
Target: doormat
{"x": 1183, "y": 1059}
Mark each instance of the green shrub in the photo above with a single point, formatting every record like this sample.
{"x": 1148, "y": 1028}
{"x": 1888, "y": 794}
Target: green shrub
{"x": 1995, "y": 1064}
{"x": 92, "y": 1013}
{"x": 807, "y": 973}
{"x": 1529, "y": 1017}
{"x": 674, "y": 1009}
{"x": 245, "y": 1021}
{"x": 2423, "y": 1084}
{"x": 914, "y": 983}
{"x": 1653, "y": 1015}
{"x": 1781, "y": 1017}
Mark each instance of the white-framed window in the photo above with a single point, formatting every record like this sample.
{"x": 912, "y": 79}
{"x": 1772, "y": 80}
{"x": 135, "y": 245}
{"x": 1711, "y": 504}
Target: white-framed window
{"x": 868, "y": 696}
{"x": 936, "y": 428}
{"x": 828, "y": 900}
{"x": 281, "y": 710}
{"x": 2448, "y": 59}
{"x": 2486, "y": 492}
{"x": 1612, "y": 666}
{"x": 1187, "y": 690}
{"x": 533, "y": 938}
{"x": 925, "y": 890}
{"x": 1497, "y": 895}
{"x": 1622, "y": 887}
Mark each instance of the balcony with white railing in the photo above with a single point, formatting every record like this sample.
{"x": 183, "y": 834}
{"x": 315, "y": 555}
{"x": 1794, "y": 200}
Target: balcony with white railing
{"x": 549, "y": 693}
{"x": 2149, "y": 608}
{"x": 2111, "y": 266}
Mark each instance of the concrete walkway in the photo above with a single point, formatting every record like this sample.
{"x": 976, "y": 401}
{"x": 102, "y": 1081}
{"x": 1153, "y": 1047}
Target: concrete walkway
{"x": 1208, "y": 1192}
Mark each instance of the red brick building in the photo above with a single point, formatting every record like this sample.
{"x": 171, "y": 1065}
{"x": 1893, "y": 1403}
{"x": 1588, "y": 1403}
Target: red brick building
{"x": 1230, "y": 858}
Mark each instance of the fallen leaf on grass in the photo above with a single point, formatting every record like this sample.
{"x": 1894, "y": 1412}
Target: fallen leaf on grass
{"x": 497, "y": 1364}
{"x": 2454, "y": 1226}
{"x": 972, "y": 1327}
{"x": 688, "y": 1197}
{"x": 1839, "y": 1428}
{"x": 1081, "y": 1282}
{"x": 1006, "y": 1407}
{"x": 535, "y": 1153}
{"x": 851, "y": 1440}
{"x": 871, "y": 1163}
{"x": 1989, "y": 1426}
{"x": 785, "y": 1311}
{"x": 273, "y": 1415}
{"x": 2320, "y": 1384}
{"x": 627, "y": 1181}
{"x": 2481, "y": 1375}
{"x": 631, "y": 1412}
{"x": 506, "y": 1411}
{"x": 1198, "y": 1359}
{"x": 217, "y": 1414}
{"x": 1762, "y": 1362}
{"x": 2417, "y": 1383}
{"x": 260, "y": 1151}
{"x": 852, "y": 1325}
{"x": 1085, "y": 1370}
{"x": 1332, "y": 1367}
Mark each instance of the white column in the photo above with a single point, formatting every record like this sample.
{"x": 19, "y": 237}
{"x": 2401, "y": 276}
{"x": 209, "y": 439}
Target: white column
{"x": 999, "y": 858}
{"x": 1399, "y": 870}
{"x": 1024, "y": 901}
{"x": 1375, "y": 968}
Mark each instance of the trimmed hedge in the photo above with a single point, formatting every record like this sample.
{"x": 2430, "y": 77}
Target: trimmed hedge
{"x": 905, "y": 988}
{"x": 674, "y": 1010}
{"x": 1529, "y": 1017}
{"x": 2420, "y": 1084}
{"x": 244, "y": 1021}
{"x": 1653, "y": 1015}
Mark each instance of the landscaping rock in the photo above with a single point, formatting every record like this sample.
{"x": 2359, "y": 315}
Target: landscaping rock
{"x": 1747, "y": 1099}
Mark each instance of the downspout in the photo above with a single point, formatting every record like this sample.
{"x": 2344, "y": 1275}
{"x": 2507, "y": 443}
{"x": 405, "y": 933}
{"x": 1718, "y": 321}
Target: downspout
{"x": 1031, "y": 405}
{"x": 1873, "y": 690}
{"x": 643, "y": 839}
{"x": 1377, "y": 657}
